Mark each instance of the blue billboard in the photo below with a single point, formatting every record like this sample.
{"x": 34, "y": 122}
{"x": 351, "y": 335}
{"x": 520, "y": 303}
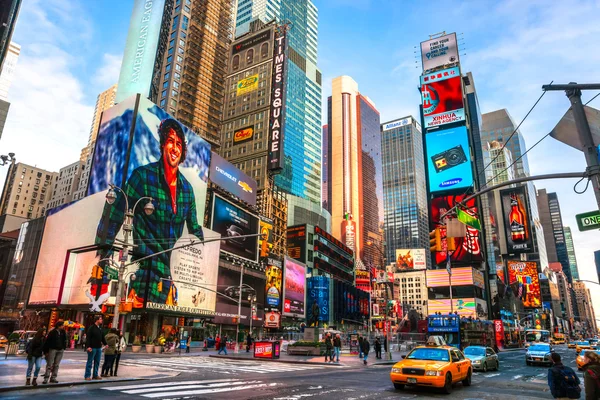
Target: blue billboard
{"x": 448, "y": 159}
{"x": 317, "y": 297}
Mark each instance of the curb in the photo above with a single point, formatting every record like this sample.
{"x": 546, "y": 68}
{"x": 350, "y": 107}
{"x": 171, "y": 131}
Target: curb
{"x": 280, "y": 361}
{"x": 385, "y": 363}
{"x": 511, "y": 350}
{"x": 65, "y": 384}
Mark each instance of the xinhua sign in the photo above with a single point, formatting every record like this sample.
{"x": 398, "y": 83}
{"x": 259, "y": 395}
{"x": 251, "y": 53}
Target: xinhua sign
{"x": 588, "y": 221}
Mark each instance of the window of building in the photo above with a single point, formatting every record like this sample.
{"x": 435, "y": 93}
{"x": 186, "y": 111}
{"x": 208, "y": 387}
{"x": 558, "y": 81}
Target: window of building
{"x": 249, "y": 56}
{"x": 236, "y": 62}
{"x": 185, "y": 23}
{"x": 180, "y": 50}
{"x": 176, "y": 85}
{"x": 168, "y": 67}
{"x": 177, "y": 75}
{"x": 163, "y": 94}
{"x": 172, "y": 43}
{"x": 264, "y": 50}
{"x": 166, "y": 84}
{"x": 182, "y": 42}
{"x": 177, "y": 67}
{"x": 179, "y": 59}
{"x": 174, "y": 93}
{"x": 175, "y": 22}
{"x": 163, "y": 102}
{"x": 171, "y": 50}
{"x": 173, "y": 103}
{"x": 173, "y": 35}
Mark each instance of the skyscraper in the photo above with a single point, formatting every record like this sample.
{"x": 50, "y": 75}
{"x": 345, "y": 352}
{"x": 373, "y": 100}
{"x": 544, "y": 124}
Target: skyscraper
{"x": 27, "y": 191}
{"x": 9, "y": 11}
{"x": 354, "y": 171}
{"x": 404, "y": 192}
{"x": 301, "y": 175}
{"x": 571, "y": 253}
{"x": 8, "y": 69}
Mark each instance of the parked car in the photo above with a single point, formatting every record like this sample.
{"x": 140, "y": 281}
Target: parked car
{"x": 539, "y": 353}
{"x": 482, "y": 358}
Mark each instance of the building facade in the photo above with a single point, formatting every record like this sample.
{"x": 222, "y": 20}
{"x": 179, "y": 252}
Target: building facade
{"x": 66, "y": 185}
{"x": 355, "y": 172}
{"x": 597, "y": 262}
{"x": 571, "y": 253}
{"x": 411, "y": 292}
{"x": 586, "y": 316}
{"x": 498, "y": 160}
{"x": 301, "y": 175}
{"x": 8, "y": 69}
{"x": 27, "y": 191}
{"x": 405, "y": 216}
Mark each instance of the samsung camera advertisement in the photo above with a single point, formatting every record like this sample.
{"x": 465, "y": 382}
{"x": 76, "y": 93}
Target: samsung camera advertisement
{"x": 448, "y": 159}
{"x": 233, "y": 222}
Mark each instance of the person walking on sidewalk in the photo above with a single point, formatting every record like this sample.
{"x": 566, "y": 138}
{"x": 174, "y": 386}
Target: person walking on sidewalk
{"x": 360, "y": 341}
{"x": 223, "y": 344}
{"x": 218, "y": 343}
{"x": 54, "y": 348}
{"x": 337, "y": 347}
{"x": 35, "y": 352}
{"x": 120, "y": 349}
{"x": 328, "y": 347}
{"x": 94, "y": 344}
{"x": 188, "y": 343}
{"x": 377, "y": 348}
{"x": 365, "y": 347}
{"x": 248, "y": 342}
{"x": 562, "y": 380}
{"x": 591, "y": 375}
{"x": 112, "y": 342}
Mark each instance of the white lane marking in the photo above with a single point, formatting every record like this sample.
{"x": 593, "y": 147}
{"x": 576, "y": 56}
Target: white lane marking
{"x": 207, "y": 391}
{"x": 517, "y": 377}
{"x": 149, "y": 385}
{"x": 185, "y": 387}
{"x": 491, "y": 375}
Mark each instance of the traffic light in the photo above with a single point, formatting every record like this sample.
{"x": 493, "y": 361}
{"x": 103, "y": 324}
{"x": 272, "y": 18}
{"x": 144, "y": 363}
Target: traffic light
{"x": 435, "y": 240}
{"x": 97, "y": 272}
{"x": 451, "y": 243}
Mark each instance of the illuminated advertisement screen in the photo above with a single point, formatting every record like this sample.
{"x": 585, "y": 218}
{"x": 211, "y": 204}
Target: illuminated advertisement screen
{"x": 516, "y": 220}
{"x": 448, "y": 159}
{"x": 243, "y": 135}
{"x": 231, "y": 221}
{"x": 294, "y": 291}
{"x": 273, "y": 287}
{"x": 229, "y": 284}
{"x": 232, "y": 179}
{"x": 410, "y": 260}
{"x": 317, "y": 299}
{"x": 464, "y": 307}
{"x": 442, "y": 98}
{"x": 296, "y": 242}
{"x": 500, "y": 272}
{"x": 265, "y": 240}
{"x": 461, "y": 276}
{"x": 439, "y": 51}
{"x": 524, "y": 278}
{"x": 139, "y": 149}
{"x": 468, "y": 249}
{"x": 141, "y": 46}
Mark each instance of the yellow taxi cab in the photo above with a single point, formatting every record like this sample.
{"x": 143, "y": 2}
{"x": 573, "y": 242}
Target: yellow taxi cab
{"x": 435, "y": 365}
{"x": 580, "y": 362}
{"x": 582, "y": 345}
{"x": 571, "y": 345}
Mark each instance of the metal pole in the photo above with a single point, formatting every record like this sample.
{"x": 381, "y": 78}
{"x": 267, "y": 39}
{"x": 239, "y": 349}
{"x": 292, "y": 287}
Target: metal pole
{"x": 251, "y": 314}
{"x": 239, "y": 316}
{"x": 126, "y": 231}
{"x": 450, "y": 283}
{"x": 585, "y": 135}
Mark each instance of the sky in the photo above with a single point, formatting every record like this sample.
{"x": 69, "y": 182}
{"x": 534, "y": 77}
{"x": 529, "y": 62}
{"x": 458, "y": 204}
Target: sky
{"x": 72, "y": 49}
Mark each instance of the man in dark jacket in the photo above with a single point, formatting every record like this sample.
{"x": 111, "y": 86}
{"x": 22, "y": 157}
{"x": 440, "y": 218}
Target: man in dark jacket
{"x": 378, "y": 348}
{"x": 54, "y": 349}
{"x": 561, "y": 379}
{"x": 328, "y": 347}
{"x": 95, "y": 342}
{"x": 365, "y": 347}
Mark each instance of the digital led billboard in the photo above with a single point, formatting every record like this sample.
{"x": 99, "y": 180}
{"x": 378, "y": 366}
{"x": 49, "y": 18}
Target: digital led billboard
{"x": 442, "y": 97}
{"x": 440, "y": 51}
{"x": 448, "y": 160}
{"x": 231, "y": 221}
{"x": 232, "y": 179}
{"x": 148, "y": 154}
{"x": 468, "y": 249}
{"x": 516, "y": 220}
{"x": 296, "y": 242}
{"x": 466, "y": 307}
{"x": 229, "y": 284}
{"x": 524, "y": 276}
{"x": 461, "y": 276}
{"x": 410, "y": 260}
{"x": 294, "y": 289}
{"x": 317, "y": 299}
{"x": 265, "y": 240}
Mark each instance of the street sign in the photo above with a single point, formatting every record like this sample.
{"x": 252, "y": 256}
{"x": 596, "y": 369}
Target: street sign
{"x": 566, "y": 131}
{"x": 588, "y": 221}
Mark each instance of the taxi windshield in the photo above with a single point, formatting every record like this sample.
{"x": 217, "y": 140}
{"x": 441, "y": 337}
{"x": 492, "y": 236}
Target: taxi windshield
{"x": 474, "y": 351}
{"x": 539, "y": 347}
{"x": 428, "y": 354}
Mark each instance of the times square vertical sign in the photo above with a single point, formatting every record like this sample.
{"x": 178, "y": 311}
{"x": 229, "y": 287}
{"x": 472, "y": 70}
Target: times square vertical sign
{"x": 276, "y": 128}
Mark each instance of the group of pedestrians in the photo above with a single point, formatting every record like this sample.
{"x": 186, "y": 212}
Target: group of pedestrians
{"x": 564, "y": 382}
{"x": 51, "y": 347}
{"x": 333, "y": 347}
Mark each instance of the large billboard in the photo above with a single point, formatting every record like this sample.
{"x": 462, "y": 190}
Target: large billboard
{"x": 229, "y": 285}
{"x": 466, "y": 307}
{"x": 523, "y": 276}
{"x": 231, "y": 221}
{"x": 226, "y": 175}
{"x": 278, "y": 96}
{"x": 273, "y": 292}
{"x": 265, "y": 240}
{"x": 140, "y": 49}
{"x": 439, "y": 52}
{"x": 247, "y": 85}
{"x": 317, "y": 300}
{"x": 468, "y": 249}
{"x": 448, "y": 159}
{"x": 461, "y": 276}
{"x": 516, "y": 220}
{"x": 410, "y": 260}
{"x": 294, "y": 289}
{"x": 296, "y": 242}
{"x": 442, "y": 98}
{"x": 149, "y": 154}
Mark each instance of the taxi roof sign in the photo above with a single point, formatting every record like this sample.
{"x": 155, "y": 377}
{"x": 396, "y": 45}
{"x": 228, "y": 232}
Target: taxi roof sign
{"x": 436, "y": 341}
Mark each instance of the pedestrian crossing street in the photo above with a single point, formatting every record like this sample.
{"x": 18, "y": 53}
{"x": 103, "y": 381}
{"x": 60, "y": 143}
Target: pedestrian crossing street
{"x": 189, "y": 388}
{"x": 224, "y": 366}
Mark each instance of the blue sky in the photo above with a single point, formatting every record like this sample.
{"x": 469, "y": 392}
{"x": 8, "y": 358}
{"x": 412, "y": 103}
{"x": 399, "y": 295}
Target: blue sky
{"x": 71, "y": 51}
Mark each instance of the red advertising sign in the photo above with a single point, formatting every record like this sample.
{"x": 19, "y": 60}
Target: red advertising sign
{"x": 499, "y": 329}
{"x": 442, "y": 97}
{"x": 524, "y": 276}
{"x": 263, "y": 350}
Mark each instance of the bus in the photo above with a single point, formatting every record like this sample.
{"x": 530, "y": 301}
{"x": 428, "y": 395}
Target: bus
{"x": 461, "y": 332}
{"x": 536, "y": 335}
{"x": 446, "y": 326}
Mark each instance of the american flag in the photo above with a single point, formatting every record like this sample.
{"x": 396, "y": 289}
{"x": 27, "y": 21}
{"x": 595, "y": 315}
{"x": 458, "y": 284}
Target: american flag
{"x": 520, "y": 291}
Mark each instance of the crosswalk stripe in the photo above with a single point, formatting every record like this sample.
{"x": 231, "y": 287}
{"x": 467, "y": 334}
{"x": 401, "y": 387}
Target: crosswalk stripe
{"x": 207, "y": 391}
{"x": 150, "y": 385}
{"x": 180, "y": 387}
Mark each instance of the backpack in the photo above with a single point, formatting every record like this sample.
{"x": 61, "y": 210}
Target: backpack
{"x": 567, "y": 382}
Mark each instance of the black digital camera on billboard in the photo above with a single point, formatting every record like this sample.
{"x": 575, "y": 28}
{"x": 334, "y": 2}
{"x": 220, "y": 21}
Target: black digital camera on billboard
{"x": 449, "y": 158}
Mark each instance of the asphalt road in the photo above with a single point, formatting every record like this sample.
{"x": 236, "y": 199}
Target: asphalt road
{"x": 209, "y": 378}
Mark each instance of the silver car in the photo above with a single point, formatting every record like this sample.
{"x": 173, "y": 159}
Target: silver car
{"x": 539, "y": 353}
{"x": 482, "y": 358}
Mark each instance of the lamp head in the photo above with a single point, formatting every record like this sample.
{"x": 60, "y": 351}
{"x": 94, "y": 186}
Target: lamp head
{"x": 149, "y": 207}
{"x": 111, "y": 196}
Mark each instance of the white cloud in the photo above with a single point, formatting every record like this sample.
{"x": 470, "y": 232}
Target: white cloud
{"x": 108, "y": 73}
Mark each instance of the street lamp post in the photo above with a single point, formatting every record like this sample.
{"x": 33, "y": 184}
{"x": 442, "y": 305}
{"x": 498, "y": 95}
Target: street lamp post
{"x": 111, "y": 197}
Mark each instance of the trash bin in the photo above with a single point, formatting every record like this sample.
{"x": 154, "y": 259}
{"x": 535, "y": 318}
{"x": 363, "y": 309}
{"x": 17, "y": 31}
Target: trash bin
{"x": 267, "y": 349}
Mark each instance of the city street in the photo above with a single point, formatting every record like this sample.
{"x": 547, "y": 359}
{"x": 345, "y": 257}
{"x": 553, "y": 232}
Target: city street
{"x": 211, "y": 378}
